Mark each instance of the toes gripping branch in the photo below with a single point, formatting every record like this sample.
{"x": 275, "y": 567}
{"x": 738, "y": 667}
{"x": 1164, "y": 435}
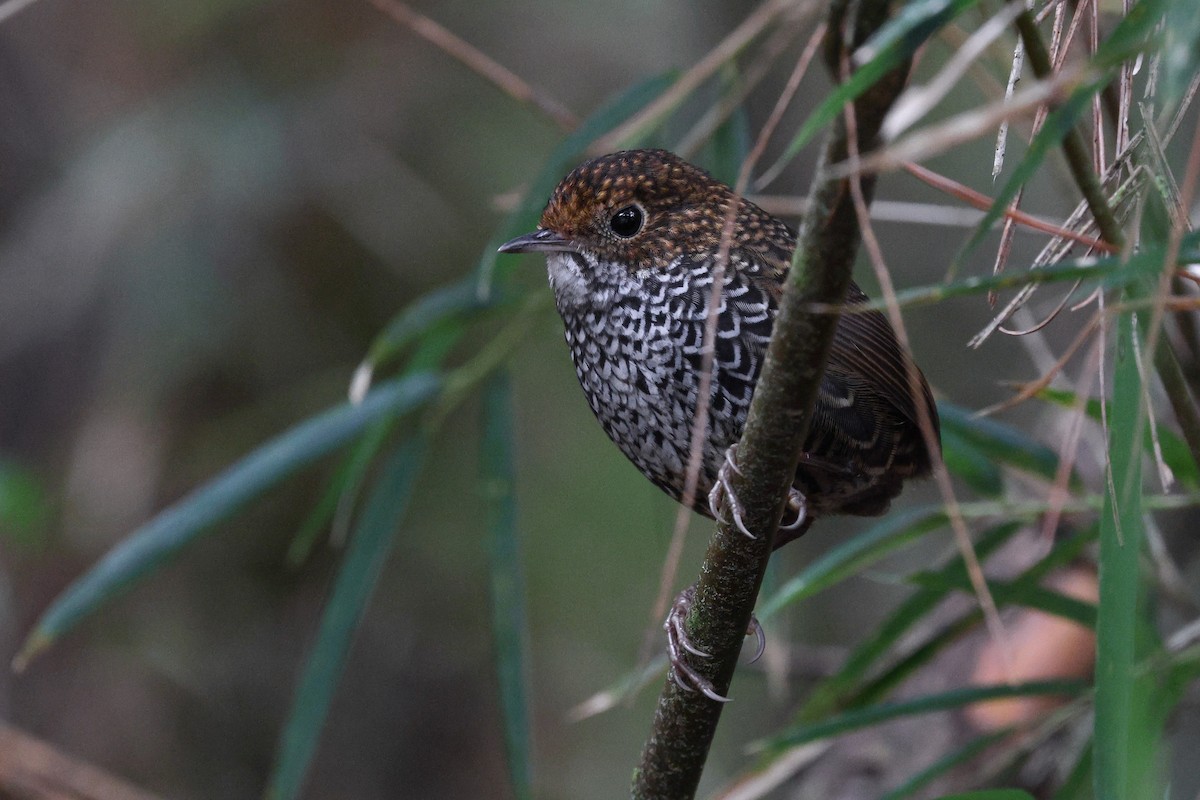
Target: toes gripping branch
{"x": 722, "y": 489}
{"x": 795, "y": 514}
{"x": 679, "y": 646}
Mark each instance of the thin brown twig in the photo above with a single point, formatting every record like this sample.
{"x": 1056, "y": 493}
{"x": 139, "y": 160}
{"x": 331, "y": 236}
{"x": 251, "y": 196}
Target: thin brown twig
{"x": 1059, "y": 494}
{"x": 983, "y": 203}
{"x": 700, "y": 423}
{"x": 1007, "y": 233}
{"x": 962, "y": 537}
{"x": 1037, "y": 326}
{"x": 1073, "y": 146}
{"x": 1057, "y": 248}
{"x": 701, "y": 71}
{"x": 1030, "y": 390}
{"x": 753, "y": 74}
{"x": 476, "y": 60}
{"x": 940, "y": 137}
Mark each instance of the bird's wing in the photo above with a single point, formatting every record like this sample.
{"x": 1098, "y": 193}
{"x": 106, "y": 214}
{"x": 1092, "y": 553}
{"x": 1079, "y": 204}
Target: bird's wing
{"x": 865, "y": 354}
{"x": 865, "y": 345}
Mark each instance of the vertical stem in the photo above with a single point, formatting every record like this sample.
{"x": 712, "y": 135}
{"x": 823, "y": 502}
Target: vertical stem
{"x": 685, "y": 722}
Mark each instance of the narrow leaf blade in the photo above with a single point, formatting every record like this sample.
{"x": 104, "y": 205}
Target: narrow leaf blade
{"x": 170, "y": 531}
{"x": 356, "y": 580}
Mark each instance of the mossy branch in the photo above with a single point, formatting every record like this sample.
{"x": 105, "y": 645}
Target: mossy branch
{"x": 769, "y": 450}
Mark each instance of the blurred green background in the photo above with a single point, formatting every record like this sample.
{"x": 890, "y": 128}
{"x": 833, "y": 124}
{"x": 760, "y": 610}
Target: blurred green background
{"x": 209, "y": 212}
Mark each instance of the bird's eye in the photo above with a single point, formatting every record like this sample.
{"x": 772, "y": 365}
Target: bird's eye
{"x": 627, "y": 222}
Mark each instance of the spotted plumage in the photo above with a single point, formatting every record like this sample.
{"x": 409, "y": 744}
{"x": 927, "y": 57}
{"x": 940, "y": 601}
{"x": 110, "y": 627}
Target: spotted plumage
{"x": 631, "y": 241}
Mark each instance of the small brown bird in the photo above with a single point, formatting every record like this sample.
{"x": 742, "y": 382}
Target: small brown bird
{"x": 631, "y": 241}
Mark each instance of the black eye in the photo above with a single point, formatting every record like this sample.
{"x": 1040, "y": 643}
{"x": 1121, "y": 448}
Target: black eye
{"x": 627, "y": 222}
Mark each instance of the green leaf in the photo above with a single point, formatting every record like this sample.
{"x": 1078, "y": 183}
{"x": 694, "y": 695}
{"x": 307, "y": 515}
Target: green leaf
{"x": 1120, "y": 540}
{"x": 509, "y": 620}
{"x": 351, "y": 474}
{"x": 964, "y": 459}
{"x": 834, "y": 691}
{"x": 887, "y": 48}
{"x": 946, "y": 763}
{"x": 1087, "y": 270}
{"x": 179, "y": 525}
{"x": 356, "y": 580}
{"x": 1063, "y": 552}
{"x": 891, "y": 533}
{"x": 1007, "y": 593}
{"x": 1000, "y": 442}
{"x": 926, "y": 704}
{"x": 341, "y": 492}
{"x": 24, "y": 511}
{"x": 1175, "y": 452}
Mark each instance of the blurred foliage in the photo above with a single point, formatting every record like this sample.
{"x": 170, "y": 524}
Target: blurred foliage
{"x": 213, "y": 214}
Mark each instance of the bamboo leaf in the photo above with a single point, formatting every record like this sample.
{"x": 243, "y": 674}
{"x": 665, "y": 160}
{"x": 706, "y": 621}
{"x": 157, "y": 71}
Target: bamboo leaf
{"x": 883, "y": 52}
{"x": 946, "y": 763}
{"x": 1003, "y": 443}
{"x": 343, "y": 488}
{"x": 509, "y": 620}
{"x": 171, "y": 530}
{"x": 355, "y": 583}
{"x": 964, "y": 459}
{"x": 889, "y": 534}
{"x": 926, "y": 704}
{"x": 833, "y": 691}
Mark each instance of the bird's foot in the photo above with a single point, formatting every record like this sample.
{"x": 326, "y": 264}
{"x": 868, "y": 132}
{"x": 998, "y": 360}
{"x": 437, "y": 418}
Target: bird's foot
{"x": 679, "y": 645}
{"x": 795, "y": 519}
{"x": 797, "y": 508}
{"x": 722, "y": 489}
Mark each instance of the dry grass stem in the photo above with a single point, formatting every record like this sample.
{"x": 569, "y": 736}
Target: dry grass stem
{"x": 917, "y": 101}
{"x": 750, "y": 77}
{"x": 454, "y": 46}
{"x": 962, "y": 537}
{"x": 10, "y": 9}
{"x": 983, "y": 203}
{"x": 1057, "y": 249}
{"x": 970, "y": 125}
{"x": 725, "y": 51}
{"x": 1037, "y": 326}
{"x": 700, "y": 423}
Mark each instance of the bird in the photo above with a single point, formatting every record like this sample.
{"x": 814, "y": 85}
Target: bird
{"x": 632, "y": 241}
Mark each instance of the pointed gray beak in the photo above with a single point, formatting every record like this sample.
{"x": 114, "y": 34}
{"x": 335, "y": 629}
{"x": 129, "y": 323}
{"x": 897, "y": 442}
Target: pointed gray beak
{"x": 540, "y": 241}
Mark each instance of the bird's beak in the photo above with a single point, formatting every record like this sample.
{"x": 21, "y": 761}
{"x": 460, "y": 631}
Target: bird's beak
{"x": 540, "y": 241}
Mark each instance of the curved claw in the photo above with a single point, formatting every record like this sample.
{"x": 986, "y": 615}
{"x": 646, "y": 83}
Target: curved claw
{"x": 714, "y": 500}
{"x": 722, "y": 489}
{"x": 678, "y": 644}
{"x": 677, "y": 636}
{"x": 757, "y": 629}
{"x": 798, "y": 505}
{"x": 690, "y": 681}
